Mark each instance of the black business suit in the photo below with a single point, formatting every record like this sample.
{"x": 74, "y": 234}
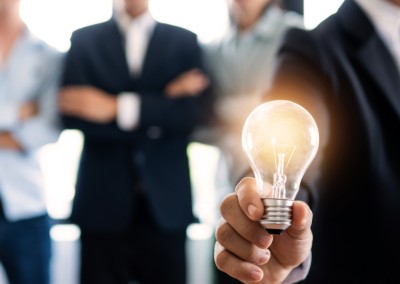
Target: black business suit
{"x": 344, "y": 65}
{"x": 139, "y": 178}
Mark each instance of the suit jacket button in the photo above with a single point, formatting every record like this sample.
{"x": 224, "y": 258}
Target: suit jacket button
{"x": 154, "y": 132}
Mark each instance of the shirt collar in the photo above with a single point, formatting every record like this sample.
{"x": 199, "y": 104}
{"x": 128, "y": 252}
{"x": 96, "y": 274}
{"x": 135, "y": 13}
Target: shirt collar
{"x": 269, "y": 23}
{"x": 385, "y": 17}
{"x": 24, "y": 40}
{"x": 145, "y": 21}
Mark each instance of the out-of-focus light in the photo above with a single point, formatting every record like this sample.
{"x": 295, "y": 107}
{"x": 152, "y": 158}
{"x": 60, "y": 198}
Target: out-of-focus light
{"x": 315, "y": 11}
{"x": 199, "y": 232}
{"x": 65, "y": 233}
{"x": 203, "y": 161}
{"x": 54, "y": 20}
{"x": 207, "y": 18}
{"x": 59, "y": 163}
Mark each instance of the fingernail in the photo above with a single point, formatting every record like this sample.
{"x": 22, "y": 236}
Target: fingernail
{"x": 256, "y": 275}
{"x": 264, "y": 240}
{"x": 251, "y": 209}
{"x": 264, "y": 258}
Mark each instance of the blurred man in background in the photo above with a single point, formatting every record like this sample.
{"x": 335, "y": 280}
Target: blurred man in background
{"x": 346, "y": 73}
{"x": 28, "y": 88}
{"x": 133, "y": 196}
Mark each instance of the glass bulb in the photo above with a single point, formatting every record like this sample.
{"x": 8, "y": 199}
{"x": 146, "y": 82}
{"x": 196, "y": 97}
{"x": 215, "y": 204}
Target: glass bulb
{"x": 280, "y": 139}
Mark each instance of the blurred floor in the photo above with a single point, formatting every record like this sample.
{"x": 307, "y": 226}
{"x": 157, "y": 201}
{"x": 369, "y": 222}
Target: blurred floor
{"x": 65, "y": 261}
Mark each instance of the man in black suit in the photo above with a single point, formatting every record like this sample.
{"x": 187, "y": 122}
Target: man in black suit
{"x": 346, "y": 73}
{"x": 121, "y": 84}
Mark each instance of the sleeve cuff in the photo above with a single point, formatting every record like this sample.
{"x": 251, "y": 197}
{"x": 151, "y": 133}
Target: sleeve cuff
{"x": 128, "y": 113}
{"x": 299, "y": 273}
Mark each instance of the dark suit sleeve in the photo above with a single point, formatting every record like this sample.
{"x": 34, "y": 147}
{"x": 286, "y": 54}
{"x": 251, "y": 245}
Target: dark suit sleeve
{"x": 181, "y": 114}
{"x": 300, "y": 77}
{"x": 178, "y": 114}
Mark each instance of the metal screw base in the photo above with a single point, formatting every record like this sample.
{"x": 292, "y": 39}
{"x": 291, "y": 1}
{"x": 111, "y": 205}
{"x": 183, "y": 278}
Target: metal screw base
{"x": 278, "y": 215}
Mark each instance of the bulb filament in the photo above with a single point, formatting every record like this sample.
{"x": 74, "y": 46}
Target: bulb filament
{"x": 279, "y": 190}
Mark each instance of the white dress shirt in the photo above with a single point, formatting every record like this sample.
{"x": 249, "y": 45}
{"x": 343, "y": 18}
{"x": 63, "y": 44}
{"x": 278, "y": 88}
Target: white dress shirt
{"x": 137, "y": 32}
{"x": 30, "y": 74}
{"x": 385, "y": 17}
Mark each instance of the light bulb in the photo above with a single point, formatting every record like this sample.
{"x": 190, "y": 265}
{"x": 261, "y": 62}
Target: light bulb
{"x": 280, "y": 139}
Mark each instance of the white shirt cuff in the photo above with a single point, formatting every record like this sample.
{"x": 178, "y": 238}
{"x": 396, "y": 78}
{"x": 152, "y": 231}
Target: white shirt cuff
{"x": 128, "y": 113}
{"x": 299, "y": 273}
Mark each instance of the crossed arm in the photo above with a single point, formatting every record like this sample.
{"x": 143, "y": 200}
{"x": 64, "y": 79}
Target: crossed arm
{"x": 7, "y": 140}
{"x": 97, "y": 106}
{"x": 179, "y": 107}
{"x": 27, "y": 126}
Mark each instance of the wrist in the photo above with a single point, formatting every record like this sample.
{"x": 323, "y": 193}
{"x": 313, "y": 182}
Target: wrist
{"x": 7, "y": 141}
{"x": 28, "y": 110}
{"x": 169, "y": 90}
{"x": 23, "y": 113}
{"x": 113, "y": 107}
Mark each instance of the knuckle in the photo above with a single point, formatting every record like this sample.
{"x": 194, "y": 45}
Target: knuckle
{"x": 228, "y": 203}
{"x": 244, "y": 183}
{"x": 251, "y": 254}
{"x": 220, "y": 222}
{"x": 221, "y": 260}
{"x": 224, "y": 233}
{"x": 248, "y": 231}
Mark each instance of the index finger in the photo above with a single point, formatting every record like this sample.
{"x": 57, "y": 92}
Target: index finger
{"x": 249, "y": 199}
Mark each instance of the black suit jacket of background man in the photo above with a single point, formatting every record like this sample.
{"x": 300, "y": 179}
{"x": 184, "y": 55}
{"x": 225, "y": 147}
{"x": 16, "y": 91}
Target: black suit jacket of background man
{"x": 116, "y": 164}
{"x": 344, "y": 66}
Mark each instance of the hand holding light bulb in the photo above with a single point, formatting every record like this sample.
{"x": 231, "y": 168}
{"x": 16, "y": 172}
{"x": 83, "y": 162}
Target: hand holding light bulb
{"x": 280, "y": 139}
{"x": 245, "y": 250}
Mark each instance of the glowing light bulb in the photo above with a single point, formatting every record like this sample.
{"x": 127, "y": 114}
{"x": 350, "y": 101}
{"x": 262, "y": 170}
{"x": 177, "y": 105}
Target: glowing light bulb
{"x": 280, "y": 139}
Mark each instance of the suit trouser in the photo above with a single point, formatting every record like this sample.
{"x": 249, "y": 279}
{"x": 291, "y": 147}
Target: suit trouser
{"x": 143, "y": 253}
{"x": 25, "y": 249}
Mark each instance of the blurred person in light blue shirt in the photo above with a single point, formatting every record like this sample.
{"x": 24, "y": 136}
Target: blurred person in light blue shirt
{"x": 240, "y": 65}
{"x": 28, "y": 120}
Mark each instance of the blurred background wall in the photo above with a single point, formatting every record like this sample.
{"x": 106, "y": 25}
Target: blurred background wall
{"x": 54, "y": 21}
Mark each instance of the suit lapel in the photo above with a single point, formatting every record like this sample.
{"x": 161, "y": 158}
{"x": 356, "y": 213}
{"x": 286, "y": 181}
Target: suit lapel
{"x": 114, "y": 51}
{"x": 113, "y": 44}
{"x": 154, "y": 49}
{"x": 381, "y": 66}
{"x": 372, "y": 54}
